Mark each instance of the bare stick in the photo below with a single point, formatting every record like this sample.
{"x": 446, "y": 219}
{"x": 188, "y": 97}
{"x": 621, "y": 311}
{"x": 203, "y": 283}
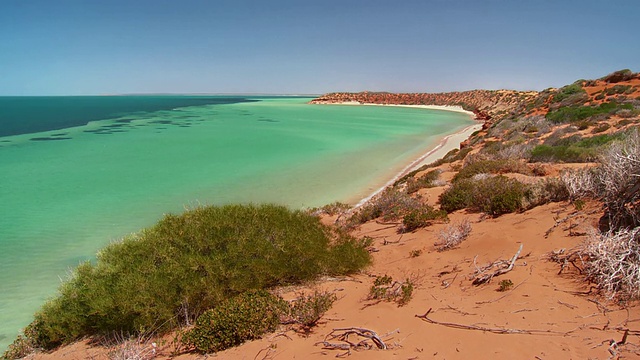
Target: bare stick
{"x": 487, "y": 277}
{"x": 426, "y": 318}
{"x": 342, "y": 334}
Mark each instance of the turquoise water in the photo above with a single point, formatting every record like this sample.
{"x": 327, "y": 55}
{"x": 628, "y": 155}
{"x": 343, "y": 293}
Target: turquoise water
{"x": 68, "y": 191}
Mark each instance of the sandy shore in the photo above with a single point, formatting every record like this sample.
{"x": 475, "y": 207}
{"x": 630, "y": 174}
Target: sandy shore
{"x": 445, "y": 145}
{"x": 454, "y": 108}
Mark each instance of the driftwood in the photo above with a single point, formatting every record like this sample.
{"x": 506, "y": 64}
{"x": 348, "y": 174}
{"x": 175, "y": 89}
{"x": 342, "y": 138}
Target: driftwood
{"x": 482, "y": 276}
{"x": 426, "y": 318}
{"x": 342, "y": 335}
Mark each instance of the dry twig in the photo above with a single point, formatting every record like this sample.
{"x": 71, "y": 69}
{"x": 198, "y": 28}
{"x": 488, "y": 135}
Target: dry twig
{"x": 482, "y": 277}
{"x": 342, "y": 334}
{"x": 426, "y": 318}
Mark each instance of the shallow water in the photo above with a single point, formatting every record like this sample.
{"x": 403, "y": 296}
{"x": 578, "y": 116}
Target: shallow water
{"x": 68, "y": 191}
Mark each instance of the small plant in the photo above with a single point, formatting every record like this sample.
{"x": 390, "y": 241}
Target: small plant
{"x": 385, "y": 288}
{"x": 333, "y": 208}
{"x": 492, "y": 167}
{"x": 425, "y": 181}
{"x": 20, "y": 348}
{"x": 415, "y": 253}
{"x": 390, "y": 204}
{"x": 137, "y": 348}
{"x": 421, "y": 217}
{"x": 578, "y": 204}
{"x": 307, "y": 310}
{"x": 453, "y": 235}
{"x": 505, "y": 285}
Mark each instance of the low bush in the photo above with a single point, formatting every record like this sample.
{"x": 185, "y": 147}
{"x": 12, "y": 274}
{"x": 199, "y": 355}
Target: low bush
{"x": 492, "y": 167}
{"x": 568, "y": 91}
{"x": 619, "y": 182}
{"x": 573, "y": 149}
{"x": 307, "y": 310}
{"x": 618, "y": 76}
{"x": 612, "y": 261}
{"x": 236, "y": 320}
{"x": 331, "y": 209}
{"x": 545, "y": 191}
{"x": 421, "y": 217}
{"x": 391, "y": 204}
{"x": 385, "y": 288}
{"x": 425, "y": 181}
{"x": 493, "y": 195}
{"x": 570, "y": 114}
{"x": 451, "y": 156}
{"x": 617, "y": 89}
{"x": 169, "y": 274}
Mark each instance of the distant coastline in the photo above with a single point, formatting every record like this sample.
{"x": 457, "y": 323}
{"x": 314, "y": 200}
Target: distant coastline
{"x": 454, "y": 108}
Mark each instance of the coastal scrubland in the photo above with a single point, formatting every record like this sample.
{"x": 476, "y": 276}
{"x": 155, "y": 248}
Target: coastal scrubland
{"x": 522, "y": 243}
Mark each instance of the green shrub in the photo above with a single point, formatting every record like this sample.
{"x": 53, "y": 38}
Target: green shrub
{"x": 189, "y": 263}
{"x": 425, "y": 181}
{"x": 493, "y": 195}
{"x": 567, "y": 91}
{"x": 385, "y": 288}
{"x": 576, "y": 113}
{"x": 331, "y": 209}
{"x": 617, "y": 89}
{"x": 492, "y": 167}
{"x": 307, "y": 310}
{"x": 505, "y": 285}
{"x": 391, "y": 204}
{"x": 236, "y": 320}
{"x": 573, "y": 149}
{"x": 545, "y": 191}
{"x": 421, "y": 217}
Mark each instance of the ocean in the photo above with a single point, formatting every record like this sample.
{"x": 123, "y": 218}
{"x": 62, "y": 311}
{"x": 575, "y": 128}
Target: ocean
{"x": 79, "y": 172}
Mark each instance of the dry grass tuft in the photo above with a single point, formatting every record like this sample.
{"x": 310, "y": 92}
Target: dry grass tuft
{"x": 453, "y": 235}
{"x": 612, "y": 261}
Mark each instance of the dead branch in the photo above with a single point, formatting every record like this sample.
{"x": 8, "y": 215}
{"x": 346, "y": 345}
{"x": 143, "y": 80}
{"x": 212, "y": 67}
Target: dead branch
{"x": 482, "y": 277}
{"x": 565, "y": 257}
{"x": 426, "y": 318}
{"x": 342, "y": 335}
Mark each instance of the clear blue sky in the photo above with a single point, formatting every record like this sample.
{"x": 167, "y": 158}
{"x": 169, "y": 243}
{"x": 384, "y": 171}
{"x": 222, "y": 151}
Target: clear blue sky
{"x": 81, "y": 47}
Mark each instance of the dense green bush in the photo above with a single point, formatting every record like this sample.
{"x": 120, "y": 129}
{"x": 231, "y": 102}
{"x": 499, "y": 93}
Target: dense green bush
{"x": 185, "y": 264}
{"x": 422, "y": 217}
{"x": 236, "y": 320}
{"x": 494, "y": 195}
{"x": 576, "y": 113}
{"x": 573, "y": 148}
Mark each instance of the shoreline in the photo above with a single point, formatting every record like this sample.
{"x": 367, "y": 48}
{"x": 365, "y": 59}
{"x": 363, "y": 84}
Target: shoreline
{"x": 443, "y": 146}
{"x": 454, "y": 108}
{"x": 446, "y": 144}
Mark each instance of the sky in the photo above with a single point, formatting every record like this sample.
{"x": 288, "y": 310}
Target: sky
{"x": 93, "y": 47}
